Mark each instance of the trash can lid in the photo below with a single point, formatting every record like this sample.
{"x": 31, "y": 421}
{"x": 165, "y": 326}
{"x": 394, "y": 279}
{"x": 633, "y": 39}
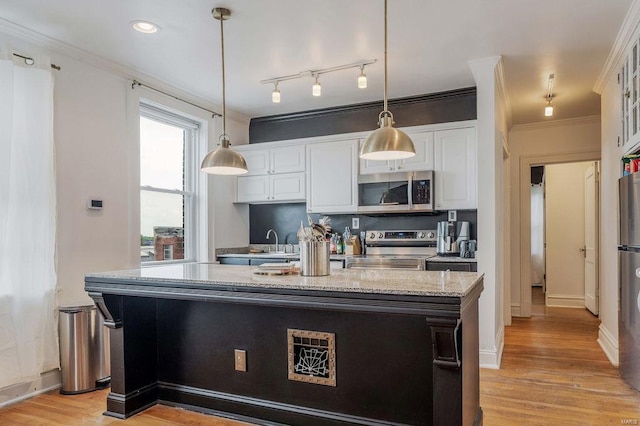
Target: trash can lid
{"x": 70, "y": 309}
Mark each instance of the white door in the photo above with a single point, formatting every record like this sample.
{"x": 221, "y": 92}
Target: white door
{"x": 591, "y": 287}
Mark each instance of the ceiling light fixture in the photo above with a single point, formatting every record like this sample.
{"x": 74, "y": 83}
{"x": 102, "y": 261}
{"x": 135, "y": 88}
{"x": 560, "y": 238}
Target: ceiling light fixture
{"x": 548, "y": 110}
{"x": 315, "y": 74}
{"x": 387, "y": 142}
{"x": 223, "y": 160}
{"x": 275, "y": 95}
{"x": 362, "y": 79}
{"x": 145, "y": 27}
{"x": 316, "y": 89}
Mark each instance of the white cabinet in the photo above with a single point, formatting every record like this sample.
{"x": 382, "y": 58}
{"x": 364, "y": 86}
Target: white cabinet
{"x": 271, "y": 188}
{"x": 332, "y": 176}
{"x": 455, "y": 169}
{"x": 276, "y": 174}
{"x": 423, "y": 160}
{"x": 282, "y": 159}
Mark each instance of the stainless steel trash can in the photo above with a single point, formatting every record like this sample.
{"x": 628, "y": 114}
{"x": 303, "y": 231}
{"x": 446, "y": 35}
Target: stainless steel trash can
{"x": 84, "y": 350}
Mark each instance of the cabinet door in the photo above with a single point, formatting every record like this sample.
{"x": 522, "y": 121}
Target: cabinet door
{"x": 370, "y": 167}
{"x": 332, "y": 169}
{"x": 253, "y": 189}
{"x": 455, "y": 169}
{"x": 423, "y": 160}
{"x": 257, "y": 161}
{"x": 288, "y": 187}
{"x": 287, "y": 159}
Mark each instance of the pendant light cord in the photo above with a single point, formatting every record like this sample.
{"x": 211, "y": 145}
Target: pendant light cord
{"x": 385, "y": 56}
{"x": 225, "y": 138}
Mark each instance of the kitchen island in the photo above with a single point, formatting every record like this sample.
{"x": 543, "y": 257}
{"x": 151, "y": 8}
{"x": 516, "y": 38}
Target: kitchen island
{"x": 372, "y": 347}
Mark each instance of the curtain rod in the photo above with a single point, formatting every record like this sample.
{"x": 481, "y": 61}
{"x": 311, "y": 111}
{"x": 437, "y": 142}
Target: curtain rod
{"x": 135, "y": 83}
{"x": 30, "y": 61}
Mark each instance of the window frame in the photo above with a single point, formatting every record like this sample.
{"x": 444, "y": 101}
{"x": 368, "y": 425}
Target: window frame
{"x": 193, "y": 192}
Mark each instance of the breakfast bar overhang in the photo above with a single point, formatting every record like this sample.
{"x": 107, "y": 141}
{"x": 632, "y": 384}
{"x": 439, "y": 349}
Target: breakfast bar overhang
{"x": 370, "y": 347}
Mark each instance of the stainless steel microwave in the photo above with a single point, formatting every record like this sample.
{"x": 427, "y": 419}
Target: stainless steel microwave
{"x": 396, "y": 192}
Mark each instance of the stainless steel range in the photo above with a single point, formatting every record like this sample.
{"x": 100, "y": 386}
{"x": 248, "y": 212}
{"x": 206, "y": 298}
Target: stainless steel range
{"x": 395, "y": 250}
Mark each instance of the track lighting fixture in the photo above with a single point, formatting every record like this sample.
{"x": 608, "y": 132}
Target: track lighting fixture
{"x": 275, "y": 95}
{"x": 316, "y": 89}
{"x": 362, "y": 79}
{"x": 548, "y": 110}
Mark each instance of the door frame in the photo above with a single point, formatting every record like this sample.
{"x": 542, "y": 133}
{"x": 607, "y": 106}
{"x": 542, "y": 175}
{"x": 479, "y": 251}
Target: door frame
{"x": 525, "y": 213}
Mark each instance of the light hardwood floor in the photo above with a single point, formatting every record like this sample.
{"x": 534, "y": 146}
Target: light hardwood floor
{"x": 553, "y": 373}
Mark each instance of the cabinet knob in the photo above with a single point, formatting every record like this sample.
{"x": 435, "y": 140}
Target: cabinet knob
{"x": 391, "y": 168}
{"x": 399, "y": 167}
{"x": 627, "y": 94}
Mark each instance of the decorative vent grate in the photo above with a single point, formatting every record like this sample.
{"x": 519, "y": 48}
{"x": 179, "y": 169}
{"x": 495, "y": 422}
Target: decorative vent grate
{"x": 312, "y": 357}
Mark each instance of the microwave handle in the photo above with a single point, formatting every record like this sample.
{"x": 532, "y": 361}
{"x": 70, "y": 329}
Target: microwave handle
{"x": 410, "y": 191}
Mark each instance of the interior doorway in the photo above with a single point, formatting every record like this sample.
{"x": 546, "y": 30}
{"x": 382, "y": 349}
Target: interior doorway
{"x": 563, "y": 235}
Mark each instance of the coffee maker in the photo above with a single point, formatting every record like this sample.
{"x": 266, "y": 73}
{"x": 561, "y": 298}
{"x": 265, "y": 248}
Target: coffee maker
{"x": 450, "y": 235}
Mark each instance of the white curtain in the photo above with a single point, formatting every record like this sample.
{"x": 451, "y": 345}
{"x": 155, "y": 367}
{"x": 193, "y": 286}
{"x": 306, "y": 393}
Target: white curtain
{"x": 537, "y": 234}
{"x": 28, "y": 332}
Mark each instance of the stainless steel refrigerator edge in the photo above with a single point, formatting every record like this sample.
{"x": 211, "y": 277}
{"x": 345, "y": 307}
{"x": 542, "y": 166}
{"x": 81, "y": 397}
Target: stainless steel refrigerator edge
{"x": 629, "y": 282}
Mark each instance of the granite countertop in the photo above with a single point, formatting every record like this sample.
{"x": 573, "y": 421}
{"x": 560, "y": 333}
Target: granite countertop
{"x": 233, "y": 278}
{"x": 452, "y": 259}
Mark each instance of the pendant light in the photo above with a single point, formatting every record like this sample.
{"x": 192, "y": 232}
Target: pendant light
{"x": 223, "y": 160}
{"x": 387, "y": 143}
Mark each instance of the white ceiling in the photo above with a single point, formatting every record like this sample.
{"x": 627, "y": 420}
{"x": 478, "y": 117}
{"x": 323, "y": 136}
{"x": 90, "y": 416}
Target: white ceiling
{"x": 430, "y": 44}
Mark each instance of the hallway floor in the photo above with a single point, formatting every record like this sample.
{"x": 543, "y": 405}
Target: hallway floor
{"x": 553, "y": 373}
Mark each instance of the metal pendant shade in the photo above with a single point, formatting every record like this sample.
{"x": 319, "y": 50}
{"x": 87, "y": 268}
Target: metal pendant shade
{"x": 387, "y": 142}
{"x": 223, "y": 160}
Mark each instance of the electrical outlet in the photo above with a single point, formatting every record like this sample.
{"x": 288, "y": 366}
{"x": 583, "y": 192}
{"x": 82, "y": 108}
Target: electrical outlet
{"x": 240, "y": 360}
{"x": 452, "y": 215}
{"x": 355, "y": 223}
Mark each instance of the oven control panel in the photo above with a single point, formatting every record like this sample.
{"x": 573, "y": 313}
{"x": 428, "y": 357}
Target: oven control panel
{"x": 401, "y": 236}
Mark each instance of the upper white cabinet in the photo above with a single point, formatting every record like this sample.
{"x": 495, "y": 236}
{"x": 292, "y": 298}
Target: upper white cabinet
{"x": 332, "y": 176}
{"x": 282, "y": 159}
{"x": 455, "y": 169}
{"x": 276, "y": 174}
{"x": 423, "y": 160}
{"x": 629, "y": 79}
{"x": 271, "y": 188}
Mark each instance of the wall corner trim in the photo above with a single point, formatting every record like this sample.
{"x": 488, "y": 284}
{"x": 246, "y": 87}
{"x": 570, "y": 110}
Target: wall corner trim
{"x": 609, "y": 345}
{"x": 628, "y": 28}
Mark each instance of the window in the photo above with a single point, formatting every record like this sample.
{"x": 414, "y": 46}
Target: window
{"x": 168, "y": 184}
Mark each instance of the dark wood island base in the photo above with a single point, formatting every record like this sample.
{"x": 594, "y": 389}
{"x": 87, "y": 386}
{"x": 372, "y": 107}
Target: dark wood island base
{"x": 312, "y": 354}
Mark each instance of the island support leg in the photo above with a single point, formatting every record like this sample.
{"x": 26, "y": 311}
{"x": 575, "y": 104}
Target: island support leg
{"x": 133, "y": 341}
{"x": 456, "y": 377}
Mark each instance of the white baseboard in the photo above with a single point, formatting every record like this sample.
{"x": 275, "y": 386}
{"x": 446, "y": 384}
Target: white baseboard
{"x": 515, "y": 310}
{"x": 492, "y": 358}
{"x": 609, "y": 345}
{"x": 564, "y": 301}
{"x": 46, "y": 382}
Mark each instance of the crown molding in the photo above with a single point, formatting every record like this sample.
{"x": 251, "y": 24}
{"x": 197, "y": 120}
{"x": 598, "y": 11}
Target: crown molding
{"x": 590, "y": 119}
{"x": 625, "y": 34}
{"x": 25, "y": 34}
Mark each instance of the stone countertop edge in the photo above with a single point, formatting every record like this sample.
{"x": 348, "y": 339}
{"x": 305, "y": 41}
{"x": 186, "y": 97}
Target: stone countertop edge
{"x": 290, "y": 256}
{"x": 452, "y": 259}
{"x": 233, "y": 278}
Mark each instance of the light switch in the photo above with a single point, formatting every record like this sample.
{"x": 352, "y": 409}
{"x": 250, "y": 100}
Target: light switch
{"x": 241, "y": 360}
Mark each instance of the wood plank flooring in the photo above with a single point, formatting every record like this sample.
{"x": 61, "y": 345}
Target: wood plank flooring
{"x": 553, "y": 373}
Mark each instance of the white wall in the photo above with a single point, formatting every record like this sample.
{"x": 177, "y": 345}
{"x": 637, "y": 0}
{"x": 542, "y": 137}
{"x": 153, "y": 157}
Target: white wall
{"x": 558, "y": 141}
{"x": 565, "y": 219}
{"x": 492, "y": 124}
{"x": 93, "y": 159}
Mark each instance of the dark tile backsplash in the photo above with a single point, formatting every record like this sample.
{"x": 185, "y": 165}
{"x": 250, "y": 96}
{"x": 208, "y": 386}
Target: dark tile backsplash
{"x": 285, "y": 220}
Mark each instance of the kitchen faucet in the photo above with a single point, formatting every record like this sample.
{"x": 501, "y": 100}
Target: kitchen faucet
{"x": 276, "y": 234}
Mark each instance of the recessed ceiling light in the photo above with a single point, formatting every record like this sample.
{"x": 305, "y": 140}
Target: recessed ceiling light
{"x": 145, "y": 27}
